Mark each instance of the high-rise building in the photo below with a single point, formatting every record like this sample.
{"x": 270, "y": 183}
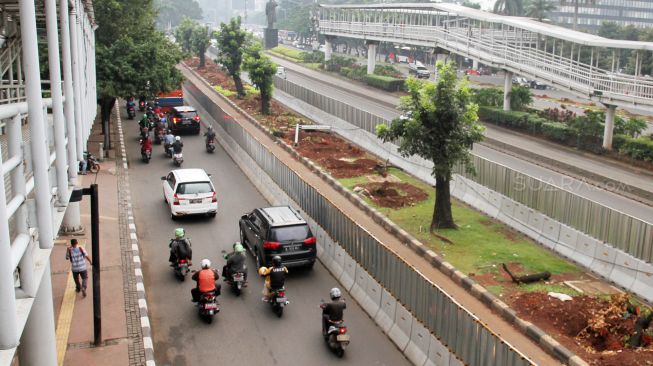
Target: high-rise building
{"x": 591, "y": 14}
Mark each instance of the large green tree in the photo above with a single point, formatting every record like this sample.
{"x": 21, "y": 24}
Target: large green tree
{"x": 132, "y": 57}
{"x": 200, "y": 40}
{"x": 539, "y": 9}
{"x": 171, "y": 12}
{"x": 509, "y": 7}
{"x": 184, "y": 34}
{"x": 440, "y": 124}
{"x": 231, "y": 44}
{"x": 261, "y": 71}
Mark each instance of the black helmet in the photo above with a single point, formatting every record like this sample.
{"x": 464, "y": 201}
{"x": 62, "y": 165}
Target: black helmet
{"x": 276, "y": 261}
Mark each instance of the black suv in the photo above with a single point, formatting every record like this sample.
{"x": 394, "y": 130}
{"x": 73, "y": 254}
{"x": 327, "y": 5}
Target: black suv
{"x": 281, "y": 231}
{"x": 183, "y": 119}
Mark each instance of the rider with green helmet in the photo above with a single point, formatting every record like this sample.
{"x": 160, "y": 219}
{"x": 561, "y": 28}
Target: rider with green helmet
{"x": 235, "y": 262}
{"x": 180, "y": 247}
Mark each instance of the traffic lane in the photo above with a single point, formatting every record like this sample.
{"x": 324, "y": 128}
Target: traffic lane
{"x": 245, "y": 329}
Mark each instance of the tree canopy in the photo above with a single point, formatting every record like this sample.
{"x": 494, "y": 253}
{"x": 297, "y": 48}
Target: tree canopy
{"x": 439, "y": 124}
{"x": 231, "y": 44}
{"x": 172, "y": 12}
{"x": 509, "y": 7}
{"x": 538, "y": 9}
{"x": 261, "y": 72}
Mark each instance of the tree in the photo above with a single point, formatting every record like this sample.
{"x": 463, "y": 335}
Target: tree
{"x": 442, "y": 125}
{"x": 472, "y": 5}
{"x": 509, "y": 7}
{"x": 172, "y": 12}
{"x": 184, "y": 33}
{"x": 132, "y": 57}
{"x": 539, "y": 9}
{"x": 231, "y": 42}
{"x": 576, "y": 5}
{"x": 199, "y": 41}
{"x": 261, "y": 71}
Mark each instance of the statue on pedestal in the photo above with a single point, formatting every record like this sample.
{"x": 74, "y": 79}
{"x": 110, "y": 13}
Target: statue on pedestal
{"x": 271, "y": 13}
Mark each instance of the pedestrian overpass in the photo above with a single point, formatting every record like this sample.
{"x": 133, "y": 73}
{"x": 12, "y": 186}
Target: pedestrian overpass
{"x": 581, "y": 63}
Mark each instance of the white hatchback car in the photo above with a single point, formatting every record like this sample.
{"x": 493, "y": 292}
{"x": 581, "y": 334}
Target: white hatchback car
{"x": 189, "y": 192}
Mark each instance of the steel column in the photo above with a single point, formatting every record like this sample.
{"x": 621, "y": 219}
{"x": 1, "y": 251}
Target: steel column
{"x": 76, "y": 83}
{"x": 371, "y": 57}
{"x": 38, "y": 343}
{"x": 609, "y": 127}
{"x": 9, "y": 328}
{"x": 57, "y": 101}
{"x": 40, "y": 155}
{"x": 507, "y": 87}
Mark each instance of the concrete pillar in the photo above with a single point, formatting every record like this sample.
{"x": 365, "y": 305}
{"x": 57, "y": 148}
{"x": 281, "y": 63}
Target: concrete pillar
{"x": 507, "y": 87}
{"x": 37, "y": 124}
{"x": 77, "y": 82}
{"x": 61, "y": 163}
{"x": 371, "y": 57}
{"x": 38, "y": 343}
{"x": 475, "y": 64}
{"x": 609, "y": 127}
{"x": 328, "y": 44}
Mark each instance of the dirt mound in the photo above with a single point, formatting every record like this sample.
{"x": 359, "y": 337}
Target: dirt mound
{"x": 346, "y": 169}
{"x": 395, "y": 195}
{"x": 595, "y": 329}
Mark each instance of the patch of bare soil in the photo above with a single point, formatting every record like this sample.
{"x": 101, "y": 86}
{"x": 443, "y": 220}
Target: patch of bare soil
{"x": 395, "y": 195}
{"x": 594, "y": 329}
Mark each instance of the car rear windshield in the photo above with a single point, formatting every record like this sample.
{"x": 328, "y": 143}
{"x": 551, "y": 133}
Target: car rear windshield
{"x": 422, "y": 68}
{"x": 188, "y": 114}
{"x": 194, "y": 188}
{"x": 287, "y": 233}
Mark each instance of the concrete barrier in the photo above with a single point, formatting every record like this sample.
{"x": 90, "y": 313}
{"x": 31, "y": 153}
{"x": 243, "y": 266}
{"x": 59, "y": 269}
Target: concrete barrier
{"x": 337, "y": 264}
{"x": 644, "y": 282}
{"x": 372, "y": 303}
{"x": 604, "y": 257}
{"x": 494, "y": 199}
{"x": 550, "y": 234}
{"x": 507, "y": 211}
{"x": 439, "y": 354}
{"x": 329, "y": 250}
{"x": 625, "y": 270}
{"x": 400, "y": 331}
{"x": 349, "y": 273}
{"x": 385, "y": 317}
{"x": 584, "y": 250}
{"x": 535, "y": 222}
{"x": 417, "y": 349}
{"x": 520, "y": 219}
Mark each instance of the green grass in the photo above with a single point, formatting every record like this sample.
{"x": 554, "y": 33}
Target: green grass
{"x": 313, "y": 65}
{"x": 223, "y": 91}
{"x": 543, "y": 287}
{"x": 287, "y": 52}
{"x": 478, "y": 243}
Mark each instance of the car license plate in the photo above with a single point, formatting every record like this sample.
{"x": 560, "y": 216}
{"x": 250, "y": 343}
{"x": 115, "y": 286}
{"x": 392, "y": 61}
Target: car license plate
{"x": 281, "y": 300}
{"x": 198, "y": 200}
{"x": 343, "y": 338}
{"x": 292, "y": 248}
{"x": 238, "y": 277}
{"x": 186, "y": 122}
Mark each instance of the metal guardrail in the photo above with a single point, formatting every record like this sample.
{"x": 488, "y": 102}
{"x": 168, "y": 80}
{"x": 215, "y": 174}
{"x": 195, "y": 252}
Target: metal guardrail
{"x": 455, "y": 326}
{"x": 622, "y": 231}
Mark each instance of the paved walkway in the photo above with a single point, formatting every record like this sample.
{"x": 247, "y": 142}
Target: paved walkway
{"x": 121, "y": 331}
{"x": 598, "y": 166}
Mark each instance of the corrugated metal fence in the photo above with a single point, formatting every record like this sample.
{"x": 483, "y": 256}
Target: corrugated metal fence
{"x": 474, "y": 343}
{"x": 622, "y": 231}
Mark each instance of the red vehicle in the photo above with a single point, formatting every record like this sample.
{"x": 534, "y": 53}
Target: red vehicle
{"x": 174, "y": 98}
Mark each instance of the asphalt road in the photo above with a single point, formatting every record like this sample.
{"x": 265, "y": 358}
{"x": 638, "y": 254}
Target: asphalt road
{"x": 245, "y": 332}
{"x": 594, "y": 193}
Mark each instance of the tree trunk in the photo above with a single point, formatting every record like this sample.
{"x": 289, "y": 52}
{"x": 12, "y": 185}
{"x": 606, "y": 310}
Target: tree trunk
{"x": 106, "y": 107}
{"x": 265, "y": 104}
{"x": 201, "y": 56}
{"x": 442, "y": 217}
{"x": 239, "y": 86}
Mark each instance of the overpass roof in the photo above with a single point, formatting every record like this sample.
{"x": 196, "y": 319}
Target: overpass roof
{"x": 528, "y": 24}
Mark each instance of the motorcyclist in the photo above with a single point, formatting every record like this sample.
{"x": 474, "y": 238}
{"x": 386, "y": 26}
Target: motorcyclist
{"x": 146, "y": 144}
{"x": 209, "y": 134}
{"x": 177, "y": 145}
{"x": 168, "y": 139}
{"x": 144, "y": 122}
{"x": 180, "y": 248}
{"x": 206, "y": 281}
{"x": 130, "y": 103}
{"x": 275, "y": 277}
{"x": 235, "y": 262}
{"x": 332, "y": 312}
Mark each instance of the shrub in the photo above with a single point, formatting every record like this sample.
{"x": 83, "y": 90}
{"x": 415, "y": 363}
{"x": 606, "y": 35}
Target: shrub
{"x": 632, "y": 127}
{"x": 557, "y": 131}
{"x": 512, "y": 119}
{"x": 294, "y": 54}
{"x": 557, "y": 115}
{"x": 387, "y": 70}
{"x": 491, "y": 97}
{"x": 223, "y": 91}
{"x": 520, "y": 97}
{"x": 312, "y": 57}
{"x": 637, "y": 148}
{"x": 384, "y": 82}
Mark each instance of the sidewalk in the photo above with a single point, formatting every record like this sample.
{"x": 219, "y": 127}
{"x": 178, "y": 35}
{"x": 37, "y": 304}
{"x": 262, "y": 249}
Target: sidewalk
{"x": 121, "y": 331}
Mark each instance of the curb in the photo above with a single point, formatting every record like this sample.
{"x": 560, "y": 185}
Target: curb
{"x": 148, "y": 344}
{"x": 547, "y": 342}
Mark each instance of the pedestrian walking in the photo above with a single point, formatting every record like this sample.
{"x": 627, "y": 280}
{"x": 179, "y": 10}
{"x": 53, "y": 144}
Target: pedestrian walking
{"x": 76, "y": 255}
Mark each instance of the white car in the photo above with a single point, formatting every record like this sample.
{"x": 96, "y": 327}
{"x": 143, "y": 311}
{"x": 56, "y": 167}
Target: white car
{"x": 189, "y": 192}
{"x": 281, "y": 72}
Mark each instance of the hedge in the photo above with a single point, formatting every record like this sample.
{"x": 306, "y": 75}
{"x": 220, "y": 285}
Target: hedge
{"x": 384, "y": 82}
{"x": 290, "y": 53}
{"x": 637, "y": 148}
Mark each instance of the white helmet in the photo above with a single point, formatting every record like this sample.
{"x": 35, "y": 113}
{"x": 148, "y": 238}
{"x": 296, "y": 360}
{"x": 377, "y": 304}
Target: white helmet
{"x": 335, "y": 293}
{"x": 177, "y": 138}
{"x": 206, "y": 264}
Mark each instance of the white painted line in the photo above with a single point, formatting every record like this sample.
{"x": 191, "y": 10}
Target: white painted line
{"x": 133, "y": 236}
{"x": 150, "y": 363}
{"x": 135, "y": 247}
{"x": 138, "y": 272}
{"x": 132, "y": 227}
{"x": 147, "y": 343}
{"x": 137, "y": 259}
{"x": 142, "y": 303}
{"x": 124, "y": 165}
{"x": 145, "y": 322}
{"x": 140, "y": 287}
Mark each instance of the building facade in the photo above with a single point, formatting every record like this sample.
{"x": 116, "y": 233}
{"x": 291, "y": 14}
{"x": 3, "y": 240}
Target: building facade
{"x": 591, "y": 14}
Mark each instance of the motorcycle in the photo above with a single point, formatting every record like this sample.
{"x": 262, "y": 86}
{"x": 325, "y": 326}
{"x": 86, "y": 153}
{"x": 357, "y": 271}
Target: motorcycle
{"x": 144, "y": 132}
{"x": 210, "y": 145}
{"x": 181, "y": 269}
{"x": 146, "y": 154}
{"x": 208, "y": 306}
{"x": 168, "y": 150}
{"x": 131, "y": 112}
{"x": 177, "y": 159}
{"x": 92, "y": 165}
{"x": 336, "y": 336}
{"x": 141, "y": 104}
{"x": 278, "y": 301}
